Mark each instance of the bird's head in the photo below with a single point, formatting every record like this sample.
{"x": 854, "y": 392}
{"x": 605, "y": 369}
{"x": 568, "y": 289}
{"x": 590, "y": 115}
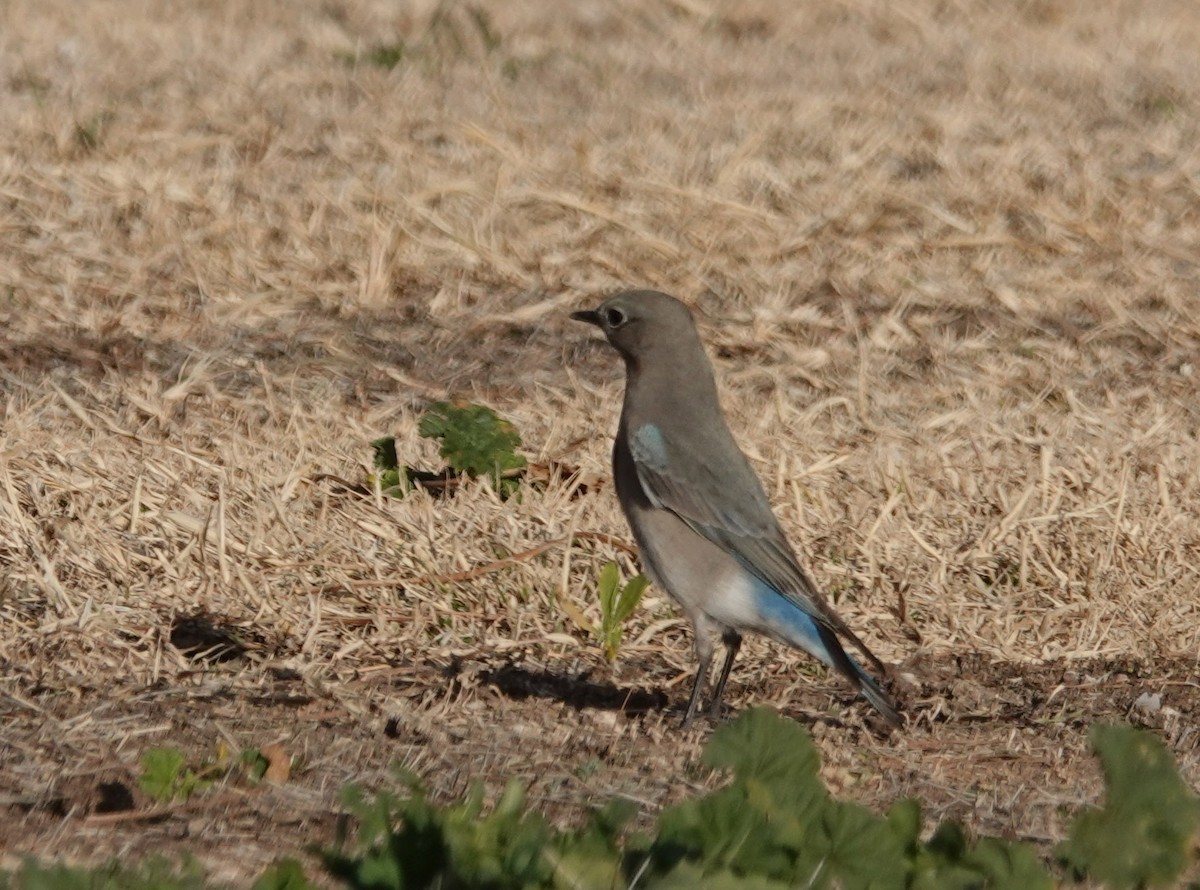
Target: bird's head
{"x": 638, "y": 321}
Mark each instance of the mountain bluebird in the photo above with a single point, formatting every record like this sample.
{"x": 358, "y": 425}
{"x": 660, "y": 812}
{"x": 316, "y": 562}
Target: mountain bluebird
{"x": 702, "y": 521}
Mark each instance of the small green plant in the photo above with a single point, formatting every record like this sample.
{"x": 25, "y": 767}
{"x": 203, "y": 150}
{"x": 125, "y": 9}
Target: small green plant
{"x": 773, "y": 825}
{"x": 166, "y": 775}
{"x": 286, "y": 874}
{"x": 476, "y": 441}
{"x": 381, "y": 55}
{"x": 617, "y": 604}
{"x": 1143, "y": 834}
{"x": 155, "y": 873}
{"x": 393, "y": 478}
{"x": 255, "y": 763}
{"x": 397, "y": 480}
{"x": 408, "y": 842}
{"x": 385, "y": 55}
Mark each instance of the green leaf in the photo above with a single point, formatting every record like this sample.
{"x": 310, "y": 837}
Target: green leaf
{"x": 385, "y": 55}
{"x": 584, "y": 870}
{"x": 399, "y": 840}
{"x": 761, "y": 744}
{"x": 606, "y": 587}
{"x": 722, "y": 830}
{"x": 949, "y": 841}
{"x": 385, "y": 454}
{"x": 617, "y": 604}
{"x": 162, "y": 773}
{"x": 406, "y": 842}
{"x": 286, "y": 874}
{"x": 948, "y": 862}
{"x": 255, "y": 763}
{"x": 394, "y": 479}
{"x": 631, "y": 595}
{"x": 860, "y": 850}
{"x": 904, "y": 817}
{"x": 475, "y": 441}
{"x": 1008, "y": 865}
{"x": 687, "y": 876}
{"x": 766, "y": 821}
{"x": 502, "y": 848}
{"x": 591, "y": 858}
{"x": 1142, "y": 835}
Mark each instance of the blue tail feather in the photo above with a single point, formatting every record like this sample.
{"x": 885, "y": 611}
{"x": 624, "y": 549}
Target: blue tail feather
{"x": 785, "y": 620}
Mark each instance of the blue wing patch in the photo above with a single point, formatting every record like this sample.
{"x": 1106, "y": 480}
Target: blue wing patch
{"x": 649, "y": 450}
{"x": 649, "y": 446}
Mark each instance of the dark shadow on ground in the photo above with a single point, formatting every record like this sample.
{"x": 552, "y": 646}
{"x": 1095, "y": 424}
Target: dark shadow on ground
{"x": 579, "y": 691}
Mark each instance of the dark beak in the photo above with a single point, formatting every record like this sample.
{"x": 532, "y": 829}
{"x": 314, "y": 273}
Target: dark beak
{"x": 591, "y": 316}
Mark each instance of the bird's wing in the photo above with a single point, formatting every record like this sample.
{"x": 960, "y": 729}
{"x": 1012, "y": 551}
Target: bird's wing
{"x": 696, "y": 491}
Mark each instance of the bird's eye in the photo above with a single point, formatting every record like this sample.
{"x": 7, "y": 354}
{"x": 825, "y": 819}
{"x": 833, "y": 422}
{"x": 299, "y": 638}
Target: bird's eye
{"x": 614, "y": 318}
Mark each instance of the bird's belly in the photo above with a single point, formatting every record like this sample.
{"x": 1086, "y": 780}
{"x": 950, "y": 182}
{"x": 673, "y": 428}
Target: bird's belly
{"x": 698, "y": 574}
{"x": 677, "y": 558}
{"x": 704, "y": 578}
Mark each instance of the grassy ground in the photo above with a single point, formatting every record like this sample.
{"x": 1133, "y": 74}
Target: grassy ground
{"x": 945, "y": 255}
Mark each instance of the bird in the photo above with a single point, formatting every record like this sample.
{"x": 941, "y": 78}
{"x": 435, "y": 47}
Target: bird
{"x": 698, "y": 511}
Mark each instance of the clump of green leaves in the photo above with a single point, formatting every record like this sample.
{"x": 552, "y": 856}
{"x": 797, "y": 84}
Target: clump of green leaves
{"x": 949, "y": 861}
{"x": 617, "y": 603}
{"x": 155, "y": 873}
{"x": 255, "y": 763}
{"x": 393, "y": 478}
{"x": 385, "y": 55}
{"x": 380, "y": 55}
{"x": 775, "y": 820}
{"x": 773, "y": 825}
{"x": 408, "y": 842}
{"x": 475, "y": 442}
{"x": 286, "y": 874}
{"x": 166, "y": 775}
{"x": 1143, "y": 834}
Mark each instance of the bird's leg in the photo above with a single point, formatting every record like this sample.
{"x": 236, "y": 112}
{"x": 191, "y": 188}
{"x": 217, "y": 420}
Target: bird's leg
{"x": 704, "y": 654}
{"x": 733, "y": 641}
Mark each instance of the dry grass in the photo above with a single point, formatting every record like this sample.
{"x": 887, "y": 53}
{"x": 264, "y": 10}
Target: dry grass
{"x": 945, "y": 253}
